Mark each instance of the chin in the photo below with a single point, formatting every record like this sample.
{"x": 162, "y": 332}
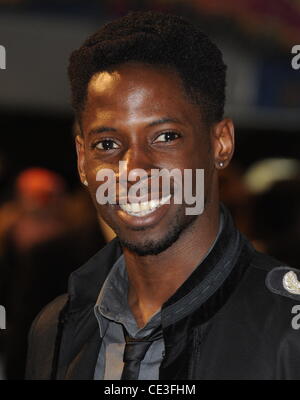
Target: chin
{"x": 149, "y": 246}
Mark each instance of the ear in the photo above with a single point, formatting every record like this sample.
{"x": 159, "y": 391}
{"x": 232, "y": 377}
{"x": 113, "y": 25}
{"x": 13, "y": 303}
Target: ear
{"x": 223, "y": 142}
{"x": 79, "y": 142}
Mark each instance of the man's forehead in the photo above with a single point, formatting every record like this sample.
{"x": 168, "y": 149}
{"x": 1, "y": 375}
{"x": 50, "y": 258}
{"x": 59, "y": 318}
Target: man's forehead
{"x": 132, "y": 74}
{"x": 138, "y": 91}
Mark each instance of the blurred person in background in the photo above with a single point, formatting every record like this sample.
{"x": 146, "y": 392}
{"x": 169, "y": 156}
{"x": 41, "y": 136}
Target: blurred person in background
{"x": 274, "y": 188}
{"x": 276, "y": 221}
{"x": 236, "y": 196}
{"x": 45, "y": 233}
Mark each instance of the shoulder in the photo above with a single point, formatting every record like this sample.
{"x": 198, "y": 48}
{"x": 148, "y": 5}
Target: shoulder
{"x": 270, "y": 281}
{"x": 278, "y": 305}
{"x": 41, "y": 339}
{"x": 264, "y": 311}
{"x": 48, "y": 316}
{"x": 261, "y": 298}
{"x": 277, "y": 277}
{"x": 268, "y": 296}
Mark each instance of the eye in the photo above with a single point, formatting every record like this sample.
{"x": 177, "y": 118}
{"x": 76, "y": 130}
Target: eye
{"x": 106, "y": 144}
{"x": 167, "y": 137}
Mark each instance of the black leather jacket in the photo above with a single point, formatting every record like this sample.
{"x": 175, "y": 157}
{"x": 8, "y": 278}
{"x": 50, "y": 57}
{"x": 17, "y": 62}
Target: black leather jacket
{"x": 237, "y": 328}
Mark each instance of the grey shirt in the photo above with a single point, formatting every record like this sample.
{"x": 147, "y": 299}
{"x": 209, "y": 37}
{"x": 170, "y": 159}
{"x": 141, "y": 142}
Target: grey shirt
{"x": 112, "y": 311}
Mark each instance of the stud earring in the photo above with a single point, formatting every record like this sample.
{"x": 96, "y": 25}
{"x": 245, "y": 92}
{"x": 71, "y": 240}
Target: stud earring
{"x": 85, "y": 182}
{"x": 221, "y": 164}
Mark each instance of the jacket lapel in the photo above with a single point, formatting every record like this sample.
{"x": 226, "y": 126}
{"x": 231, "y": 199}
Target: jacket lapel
{"x": 86, "y": 345}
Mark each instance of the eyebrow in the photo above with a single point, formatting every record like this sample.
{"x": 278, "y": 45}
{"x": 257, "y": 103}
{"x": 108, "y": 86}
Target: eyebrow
{"x": 160, "y": 121}
{"x": 164, "y": 120}
{"x": 101, "y": 129}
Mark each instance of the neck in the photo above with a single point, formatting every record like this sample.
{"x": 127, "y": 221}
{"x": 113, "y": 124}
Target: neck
{"x": 154, "y": 279}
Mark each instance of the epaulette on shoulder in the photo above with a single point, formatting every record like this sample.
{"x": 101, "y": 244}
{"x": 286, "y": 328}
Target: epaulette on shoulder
{"x": 284, "y": 281}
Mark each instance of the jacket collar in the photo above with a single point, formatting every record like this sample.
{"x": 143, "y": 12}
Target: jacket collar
{"x": 208, "y": 277}
{"x": 86, "y": 282}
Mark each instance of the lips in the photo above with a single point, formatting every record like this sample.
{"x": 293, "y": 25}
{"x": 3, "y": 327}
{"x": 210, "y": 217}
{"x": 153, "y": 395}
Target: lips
{"x": 144, "y": 208}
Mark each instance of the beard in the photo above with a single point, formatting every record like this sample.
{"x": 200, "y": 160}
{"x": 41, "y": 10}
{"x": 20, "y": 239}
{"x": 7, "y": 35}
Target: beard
{"x": 153, "y": 247}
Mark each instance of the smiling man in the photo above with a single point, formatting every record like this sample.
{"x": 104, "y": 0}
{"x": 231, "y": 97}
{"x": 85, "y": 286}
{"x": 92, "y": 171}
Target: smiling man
{"x": 174, "y": 295}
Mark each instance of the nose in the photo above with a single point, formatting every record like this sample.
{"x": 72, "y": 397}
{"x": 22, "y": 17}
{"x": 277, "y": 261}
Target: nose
{"x": 137, "y": 159}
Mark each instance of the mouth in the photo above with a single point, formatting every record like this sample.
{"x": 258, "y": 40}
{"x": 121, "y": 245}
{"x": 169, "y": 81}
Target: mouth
{"x": 144, "y": 208}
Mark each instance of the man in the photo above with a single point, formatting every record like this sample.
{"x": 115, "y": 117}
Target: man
{"x": 175, "y": 295}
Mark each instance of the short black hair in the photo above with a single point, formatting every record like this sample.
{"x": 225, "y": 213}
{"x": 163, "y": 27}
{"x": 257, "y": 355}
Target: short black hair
{"x": 159, "y": 39}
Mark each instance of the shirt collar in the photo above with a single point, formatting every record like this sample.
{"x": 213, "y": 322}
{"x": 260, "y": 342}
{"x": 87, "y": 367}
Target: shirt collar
{"x": 112, "y": 304}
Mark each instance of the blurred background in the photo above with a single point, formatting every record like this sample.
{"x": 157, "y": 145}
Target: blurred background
{"x": 47, "y": 223}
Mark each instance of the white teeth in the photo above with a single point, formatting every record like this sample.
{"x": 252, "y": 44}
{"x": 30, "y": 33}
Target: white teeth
{"x": 144, "y": 208}
{"x": 154, "y": 203}
{"x": 135, "y": 207}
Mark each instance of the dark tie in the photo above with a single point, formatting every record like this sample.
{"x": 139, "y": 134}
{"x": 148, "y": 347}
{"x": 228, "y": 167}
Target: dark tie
{"x": 135, "y": 351}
